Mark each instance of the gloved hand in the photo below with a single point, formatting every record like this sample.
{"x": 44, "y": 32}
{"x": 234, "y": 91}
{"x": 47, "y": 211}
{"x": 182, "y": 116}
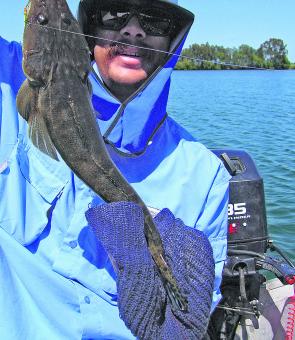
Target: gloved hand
{"x": 142, "y": 300}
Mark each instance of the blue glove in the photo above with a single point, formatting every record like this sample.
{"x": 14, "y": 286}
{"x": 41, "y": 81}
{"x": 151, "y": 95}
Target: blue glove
{"x": 142, "y": 300}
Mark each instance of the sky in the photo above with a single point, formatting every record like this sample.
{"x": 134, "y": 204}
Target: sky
{"x": 220, "y": 22}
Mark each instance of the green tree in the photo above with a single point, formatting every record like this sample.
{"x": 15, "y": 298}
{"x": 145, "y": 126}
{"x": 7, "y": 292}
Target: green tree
{"x": 271, "y": 54}
{"x": 186, "y": 64}
{"x": 275, "y": 54}
{"x": 244, "y": 55}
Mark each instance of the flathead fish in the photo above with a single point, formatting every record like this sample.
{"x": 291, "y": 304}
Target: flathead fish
{"x": 55, "y": 99}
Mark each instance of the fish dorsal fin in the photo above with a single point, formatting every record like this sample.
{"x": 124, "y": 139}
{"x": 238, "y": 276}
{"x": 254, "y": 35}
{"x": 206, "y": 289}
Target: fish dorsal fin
{"x": 39, "y": 136}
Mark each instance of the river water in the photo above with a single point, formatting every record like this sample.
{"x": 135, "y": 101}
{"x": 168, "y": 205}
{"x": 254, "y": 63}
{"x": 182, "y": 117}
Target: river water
{"x": 253, "y": 111}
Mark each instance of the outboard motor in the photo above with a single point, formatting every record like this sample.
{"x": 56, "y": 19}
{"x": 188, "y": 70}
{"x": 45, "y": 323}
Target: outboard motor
{"x": 248, "y": 242}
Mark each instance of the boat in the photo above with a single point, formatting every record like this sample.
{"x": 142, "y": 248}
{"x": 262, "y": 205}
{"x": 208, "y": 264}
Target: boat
{"x": 253, "y": 306}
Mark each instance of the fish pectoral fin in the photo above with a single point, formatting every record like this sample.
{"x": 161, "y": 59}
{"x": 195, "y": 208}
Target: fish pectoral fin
{"x": 40, "y": 138}
{"x": 24, "y": 100}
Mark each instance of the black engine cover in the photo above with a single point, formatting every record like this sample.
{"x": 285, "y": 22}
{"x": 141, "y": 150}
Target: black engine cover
{"x": 247, "y": 225}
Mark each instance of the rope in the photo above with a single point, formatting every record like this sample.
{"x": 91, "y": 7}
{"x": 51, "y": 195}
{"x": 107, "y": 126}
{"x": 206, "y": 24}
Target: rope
{"x": 289, "y": 332}
{"x": 216, "y": 62}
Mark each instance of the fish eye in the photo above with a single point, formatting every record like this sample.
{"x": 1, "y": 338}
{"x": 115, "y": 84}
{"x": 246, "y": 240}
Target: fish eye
{"x": 42, "y": 20}
{"x": 65, "y": 19}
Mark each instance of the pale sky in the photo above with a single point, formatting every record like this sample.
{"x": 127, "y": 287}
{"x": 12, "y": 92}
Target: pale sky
{"x": 220, "y": 22}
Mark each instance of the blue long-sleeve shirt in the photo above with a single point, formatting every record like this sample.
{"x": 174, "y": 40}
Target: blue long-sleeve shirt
{"x": 56, "y": 280}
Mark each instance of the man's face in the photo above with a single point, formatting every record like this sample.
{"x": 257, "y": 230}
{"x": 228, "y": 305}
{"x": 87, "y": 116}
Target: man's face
{"x": 124, "y": 64}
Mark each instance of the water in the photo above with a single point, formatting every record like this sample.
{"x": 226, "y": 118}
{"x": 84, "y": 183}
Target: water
{"x": 253, "y": 111}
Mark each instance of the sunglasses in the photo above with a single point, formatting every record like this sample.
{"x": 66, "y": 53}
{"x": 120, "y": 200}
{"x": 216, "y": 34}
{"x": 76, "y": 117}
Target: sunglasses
{"x": 116, "y": 15}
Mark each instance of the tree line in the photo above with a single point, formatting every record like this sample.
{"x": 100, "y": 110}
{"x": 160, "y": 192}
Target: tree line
{"x": 272, "y": 54}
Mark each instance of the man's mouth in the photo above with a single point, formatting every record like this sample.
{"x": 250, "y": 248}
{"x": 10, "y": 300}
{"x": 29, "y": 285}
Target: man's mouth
{"x": 127, "y": 51}
{"x": 131, "y": 54}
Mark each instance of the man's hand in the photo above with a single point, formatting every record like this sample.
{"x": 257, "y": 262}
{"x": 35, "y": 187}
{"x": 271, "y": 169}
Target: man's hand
{"x": 142, "y": 300}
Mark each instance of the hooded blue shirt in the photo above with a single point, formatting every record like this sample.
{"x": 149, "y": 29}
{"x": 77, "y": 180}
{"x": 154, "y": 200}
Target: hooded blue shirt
{"x": 57, "y": 281}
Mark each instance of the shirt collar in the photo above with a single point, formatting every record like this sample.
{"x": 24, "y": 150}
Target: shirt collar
{"x": 129, "y": 126}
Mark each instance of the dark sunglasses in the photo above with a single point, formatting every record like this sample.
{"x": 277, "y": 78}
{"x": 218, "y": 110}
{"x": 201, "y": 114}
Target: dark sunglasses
{"x": 113, "y": 15}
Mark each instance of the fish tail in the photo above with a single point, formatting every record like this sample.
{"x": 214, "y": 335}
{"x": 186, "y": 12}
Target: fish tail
{"x": 177, "y": 299}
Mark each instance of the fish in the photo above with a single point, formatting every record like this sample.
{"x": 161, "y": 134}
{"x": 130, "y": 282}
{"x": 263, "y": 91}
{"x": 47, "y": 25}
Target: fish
{"x": 55, "y": 100}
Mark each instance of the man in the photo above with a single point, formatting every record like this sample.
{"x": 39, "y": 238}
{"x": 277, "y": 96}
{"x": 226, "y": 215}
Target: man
{"x": 55, "y": 276}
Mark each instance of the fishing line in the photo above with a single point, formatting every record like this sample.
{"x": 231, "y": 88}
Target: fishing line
{"x": 153, "y": 49}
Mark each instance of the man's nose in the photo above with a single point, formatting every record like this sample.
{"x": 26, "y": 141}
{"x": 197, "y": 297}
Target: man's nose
{"x": 133, "y": 29}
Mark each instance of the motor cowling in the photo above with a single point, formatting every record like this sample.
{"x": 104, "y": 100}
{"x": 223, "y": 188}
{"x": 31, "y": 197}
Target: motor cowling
{"x": 247, "y": 223}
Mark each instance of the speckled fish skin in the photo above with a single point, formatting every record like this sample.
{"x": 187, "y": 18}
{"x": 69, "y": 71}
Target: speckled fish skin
{"x": 56, "y": 101}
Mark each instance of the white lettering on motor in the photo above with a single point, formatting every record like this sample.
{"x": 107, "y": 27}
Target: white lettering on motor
{"x": 237, "y": 209}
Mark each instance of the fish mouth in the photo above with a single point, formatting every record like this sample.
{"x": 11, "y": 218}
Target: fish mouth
{"x": 28, "y": 53}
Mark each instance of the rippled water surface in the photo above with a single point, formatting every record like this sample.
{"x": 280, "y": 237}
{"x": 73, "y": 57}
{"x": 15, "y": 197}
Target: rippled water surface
{"x": 253, "y": 111}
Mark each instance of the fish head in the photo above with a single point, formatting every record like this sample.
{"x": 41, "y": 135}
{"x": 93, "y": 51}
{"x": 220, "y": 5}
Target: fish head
{"x": 52, "y": 35}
